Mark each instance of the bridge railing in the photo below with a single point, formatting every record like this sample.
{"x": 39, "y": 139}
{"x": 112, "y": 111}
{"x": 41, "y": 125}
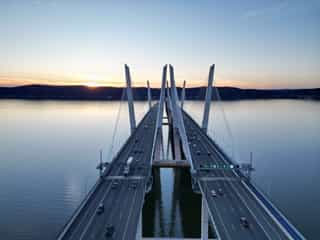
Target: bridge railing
{"x": 254, "y": 189}
{"x": 87, "y": 198}
{"x": 78, "y": 210}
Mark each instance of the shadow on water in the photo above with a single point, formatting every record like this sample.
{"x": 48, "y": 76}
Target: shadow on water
{"x": 171, "y": 208}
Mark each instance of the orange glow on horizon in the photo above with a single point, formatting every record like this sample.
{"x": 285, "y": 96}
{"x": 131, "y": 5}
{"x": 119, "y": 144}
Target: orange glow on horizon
{"x": 92, "y": 85}
{"x": 95, "y": 82}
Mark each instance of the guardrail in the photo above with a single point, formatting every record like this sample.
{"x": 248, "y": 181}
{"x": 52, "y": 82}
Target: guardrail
{"x": 273, "y": 211}
{"x": 83, "y": 203}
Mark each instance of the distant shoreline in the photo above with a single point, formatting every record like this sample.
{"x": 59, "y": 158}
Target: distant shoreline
{"x": 44, "y": 92}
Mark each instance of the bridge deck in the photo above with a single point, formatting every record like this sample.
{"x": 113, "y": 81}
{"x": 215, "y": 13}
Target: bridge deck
{"x": 236, "y": 201}
{"x": 123, "y": 203}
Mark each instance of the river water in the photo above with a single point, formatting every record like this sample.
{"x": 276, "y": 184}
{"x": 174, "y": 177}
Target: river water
{"x": 49, "y": 151}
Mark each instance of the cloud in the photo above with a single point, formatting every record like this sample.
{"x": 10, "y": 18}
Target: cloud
{"x": 275, "y": 9}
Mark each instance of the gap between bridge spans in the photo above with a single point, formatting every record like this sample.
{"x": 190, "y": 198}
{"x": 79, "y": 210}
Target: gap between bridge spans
{"x": 123, "y": 177}
{"x": 165, "y": 238}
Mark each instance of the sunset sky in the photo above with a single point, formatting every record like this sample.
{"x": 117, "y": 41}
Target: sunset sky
{"x": 254, "y": 44}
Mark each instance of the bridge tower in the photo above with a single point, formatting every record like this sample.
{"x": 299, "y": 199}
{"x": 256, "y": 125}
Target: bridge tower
{"x": 174, "y": 137}
{"x": 149, "y": 95}
{"x": 130, "y": 99}
{"x": 180, "y": 123}
{"x": 183, "y": 93}
{"x": 208, "y": 100}
{"x": 158, "y": 141}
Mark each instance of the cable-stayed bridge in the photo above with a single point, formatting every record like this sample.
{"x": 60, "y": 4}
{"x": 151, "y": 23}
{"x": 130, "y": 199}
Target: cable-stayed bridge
{"x": 230, "y": 201}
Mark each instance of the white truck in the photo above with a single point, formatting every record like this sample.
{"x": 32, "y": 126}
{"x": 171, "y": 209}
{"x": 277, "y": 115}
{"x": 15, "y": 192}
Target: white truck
{"x": 127, "y": 166}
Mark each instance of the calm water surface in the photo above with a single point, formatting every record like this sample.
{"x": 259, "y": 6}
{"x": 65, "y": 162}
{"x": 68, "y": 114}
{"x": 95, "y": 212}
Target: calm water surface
{"x": 49, "y": 151}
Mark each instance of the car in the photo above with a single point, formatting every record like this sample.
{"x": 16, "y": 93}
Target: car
{"x": 114, "y": 185}
{"x": 220, "y": 191}
{"x": 244, "y": 222}
{"x": 213, "y": 193}
{"x": 100, "y": 209}
{"x": 134, "y": 185}
{"x": 109, "y": 231}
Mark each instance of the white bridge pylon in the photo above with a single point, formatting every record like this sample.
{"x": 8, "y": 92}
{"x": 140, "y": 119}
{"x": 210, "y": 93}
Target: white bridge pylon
{"x": 130, "y": 99}
{"x": 178, "y": 119}
{"x": 180, "y": 145}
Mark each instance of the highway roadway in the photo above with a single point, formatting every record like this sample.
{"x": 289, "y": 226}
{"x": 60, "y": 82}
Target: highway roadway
{"x": 234, "y": 200}
{"x": 122, "y": 196}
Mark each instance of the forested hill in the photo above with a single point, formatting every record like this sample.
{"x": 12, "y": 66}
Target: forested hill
{"x": 112, "y": 93}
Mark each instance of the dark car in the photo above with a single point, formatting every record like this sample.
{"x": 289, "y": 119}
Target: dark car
{"x": 114, "y": 185}
{"x": 244, "y": 222}
{"x": 109, "y": 232}
{"x": 100, "y": 209}
{"x": 134, "y": 185}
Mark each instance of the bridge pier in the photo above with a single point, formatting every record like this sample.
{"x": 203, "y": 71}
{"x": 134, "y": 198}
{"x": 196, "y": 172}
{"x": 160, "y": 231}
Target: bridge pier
{"x": 139, "y": 228}
{"x": 204, "y": 219}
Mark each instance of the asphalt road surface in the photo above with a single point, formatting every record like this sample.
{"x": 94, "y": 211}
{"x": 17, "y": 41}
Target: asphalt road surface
{"x": 232, "y": 200}
{"x": 122, "y": 196}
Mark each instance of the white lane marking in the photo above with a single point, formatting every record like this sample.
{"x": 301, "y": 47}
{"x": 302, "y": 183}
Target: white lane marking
{"x": 219, "y": 216}
{"x": 109, "y": 177}
{"x": 66, "y": 229}
{"x": 99, "y": 233}
{"x": 210, "y": 214}
{"x": 251, "y": 212}
{"x": 125, "y": 178}
{"x": 94, "y": 213}
{"x": 244, "y": 202}
{"x": 219, "y": 179}
{"x": 129, "y": 218}
{"x": 84, "y": 218}
{"x": 222, "y": 158}
{"x": 269, "y": 213}
{"x": 263, "y": 216}
{"x": 233, "y": 227}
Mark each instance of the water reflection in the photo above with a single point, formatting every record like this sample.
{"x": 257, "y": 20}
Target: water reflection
{"x": 171, "y": 208}
{"x": 49, "y": 151}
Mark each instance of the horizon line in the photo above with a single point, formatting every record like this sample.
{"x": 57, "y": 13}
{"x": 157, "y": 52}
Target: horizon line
{"x": 109, "y": 86}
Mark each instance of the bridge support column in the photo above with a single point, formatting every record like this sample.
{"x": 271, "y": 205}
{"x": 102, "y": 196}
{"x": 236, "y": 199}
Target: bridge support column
{"x": 204, "y": 220}
{"x": 139, "y": 229}
{"x": 159, "y": 147}
{"x": 176, "y": 144}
